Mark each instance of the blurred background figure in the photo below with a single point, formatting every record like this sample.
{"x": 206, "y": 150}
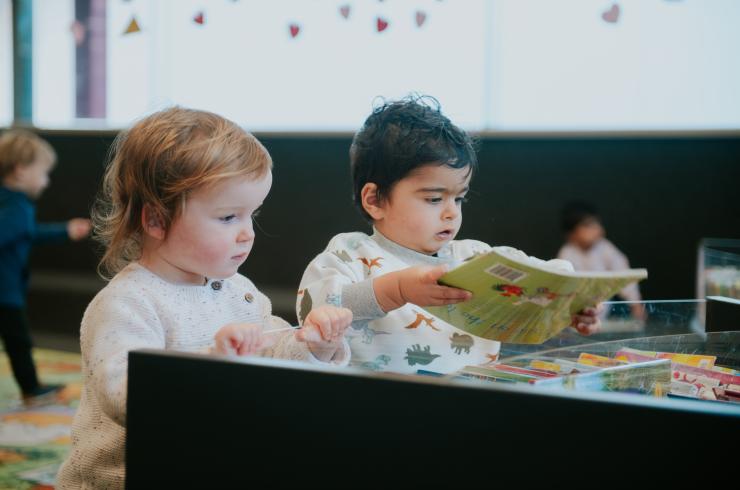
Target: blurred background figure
{"x": 587, "y": 248}
{"x": 25, "y": 163}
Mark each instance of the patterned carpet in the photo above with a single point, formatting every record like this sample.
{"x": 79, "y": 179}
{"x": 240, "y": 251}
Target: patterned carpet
{"x": 34, "y": 440}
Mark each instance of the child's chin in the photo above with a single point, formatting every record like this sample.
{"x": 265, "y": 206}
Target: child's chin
{"x": 430, "y": 250}
{"x": 222, "y": 274}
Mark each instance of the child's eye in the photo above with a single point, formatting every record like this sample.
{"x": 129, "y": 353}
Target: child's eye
{"x": 461, "y": 199}
{"x": 227, "y": 219}
{"x": 434, "y": 200}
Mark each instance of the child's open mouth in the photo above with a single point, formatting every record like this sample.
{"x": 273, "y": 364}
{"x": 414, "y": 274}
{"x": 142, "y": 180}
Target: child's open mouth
{"x": 239, "y": 257}
{"x": 444, "y": 235}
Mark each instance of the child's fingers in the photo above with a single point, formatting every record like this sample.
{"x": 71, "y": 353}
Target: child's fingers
{"x": 321, "y": 318}
{"x": 325, "y": 324}
{"x": 265, "y": 341}
{"x": 448, "y": 294}
{"x": 337, "y": 322}
{"x": 587, "y": 318}
{"x": 586, "y": 324}
{"x": 248, "y": 348}
{"x": 329, "y": 330}
{"x": 586, "y": 329}
{"x": 344, "y": 318}
{"x": 590, "y": 311}
{"x": 248, "y": 339}
{"x": 308, "y": 333}
{"x": 435, "y": 273}
{"x": 224, "y": 345}
{"x": 247, "y": 342}
{"x": 228, "y": 342}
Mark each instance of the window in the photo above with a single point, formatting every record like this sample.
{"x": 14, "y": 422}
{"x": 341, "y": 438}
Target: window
{"x": 6, "y": 63}
{"x": 662, "y": 65}
{"x": 243, "y": 61}
{"x": 292, "y": 65}
{"x": 53, "y": 63}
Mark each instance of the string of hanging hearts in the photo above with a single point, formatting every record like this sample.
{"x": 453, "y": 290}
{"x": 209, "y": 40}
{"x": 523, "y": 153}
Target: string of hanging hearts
{"x": 610, "y": 15}
{"x": 381, "y": 23}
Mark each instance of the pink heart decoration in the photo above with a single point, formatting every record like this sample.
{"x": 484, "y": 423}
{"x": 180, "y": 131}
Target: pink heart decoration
{"x": 421, "y": 17}
{"x": 612, "y": 15}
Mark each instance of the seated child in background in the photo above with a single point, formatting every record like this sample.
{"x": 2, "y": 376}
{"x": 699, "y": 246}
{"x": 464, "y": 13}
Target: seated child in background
{"x": 25, "y": 163}
{"x": 175, "y": 214}
{"x": 411, "y": 169}
{"x": 588, "y": 250}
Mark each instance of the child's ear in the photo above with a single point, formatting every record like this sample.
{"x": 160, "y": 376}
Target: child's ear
{"x": 371, "y": 203}
{"x": 14, "y": 175}
{"x": 152, "y": 223}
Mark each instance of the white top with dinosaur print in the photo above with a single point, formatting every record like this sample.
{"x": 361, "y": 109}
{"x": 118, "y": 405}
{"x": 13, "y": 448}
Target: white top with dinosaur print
{"x": 409, "y": 338}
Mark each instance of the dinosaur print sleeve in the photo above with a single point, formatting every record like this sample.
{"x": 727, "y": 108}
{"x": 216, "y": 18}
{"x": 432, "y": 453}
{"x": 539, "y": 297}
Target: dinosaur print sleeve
{"x": 338, "y": 277}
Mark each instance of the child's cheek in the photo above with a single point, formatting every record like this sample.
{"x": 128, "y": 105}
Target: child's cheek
{"x": 215, "y": 251}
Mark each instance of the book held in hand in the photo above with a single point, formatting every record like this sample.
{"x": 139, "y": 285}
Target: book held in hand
{"x": 525, "y": 301}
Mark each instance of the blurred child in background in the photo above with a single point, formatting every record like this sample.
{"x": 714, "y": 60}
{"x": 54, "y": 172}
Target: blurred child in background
{"x": 25, "y": 163}
{"x": 587, "y": 248}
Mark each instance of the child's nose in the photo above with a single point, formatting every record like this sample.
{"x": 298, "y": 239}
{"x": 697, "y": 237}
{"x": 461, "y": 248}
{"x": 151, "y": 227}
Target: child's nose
{"x": 246, "y": 234}
{"x": 451, "y": 211}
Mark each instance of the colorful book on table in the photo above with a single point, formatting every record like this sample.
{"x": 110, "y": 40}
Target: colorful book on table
{"x": 692, "y": 375}
{"x": 519, "y": 302}
{"x": 649, "y": 377}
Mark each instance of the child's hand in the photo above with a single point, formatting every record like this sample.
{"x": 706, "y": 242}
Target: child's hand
{"x": 638, "y": 312}
{"x": 323, "y": 330}
{"x": 417, "y": 285}
{"x": 325, "y": 324}
{"x": 241, "y": 339}
{"x": 587, "y": 320}
{"x": 78, "y": 228}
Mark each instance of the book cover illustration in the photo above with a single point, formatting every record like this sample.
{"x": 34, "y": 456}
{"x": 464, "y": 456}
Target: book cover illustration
{"x": 521, "y": 302}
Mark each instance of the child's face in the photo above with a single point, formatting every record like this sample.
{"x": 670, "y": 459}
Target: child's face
{"x": 214, "y": 234}
{"x": 32, "y": 179}
{"x": 424, "y": 210}
{"x": 587, "y": 233}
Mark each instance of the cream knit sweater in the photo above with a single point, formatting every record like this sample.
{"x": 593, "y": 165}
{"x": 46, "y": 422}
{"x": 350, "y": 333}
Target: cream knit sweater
{"x": 136, "y": 310}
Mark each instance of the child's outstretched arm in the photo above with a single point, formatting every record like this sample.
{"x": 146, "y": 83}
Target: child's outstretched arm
{"x": 338, "y": 278}
{"x": 417, "y": 285}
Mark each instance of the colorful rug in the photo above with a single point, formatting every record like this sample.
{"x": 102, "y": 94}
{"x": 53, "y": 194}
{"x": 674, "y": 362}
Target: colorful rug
{"x": 34, "y": 440}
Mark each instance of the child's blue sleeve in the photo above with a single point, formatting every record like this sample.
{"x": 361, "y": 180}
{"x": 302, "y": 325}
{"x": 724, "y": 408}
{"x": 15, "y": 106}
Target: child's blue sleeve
{"x": 16, "y": 221}
{"x": 50, "y": 232}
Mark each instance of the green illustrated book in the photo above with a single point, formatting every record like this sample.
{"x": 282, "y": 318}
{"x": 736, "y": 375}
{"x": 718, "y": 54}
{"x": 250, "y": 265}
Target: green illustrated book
{"x": 520, "y": 302}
